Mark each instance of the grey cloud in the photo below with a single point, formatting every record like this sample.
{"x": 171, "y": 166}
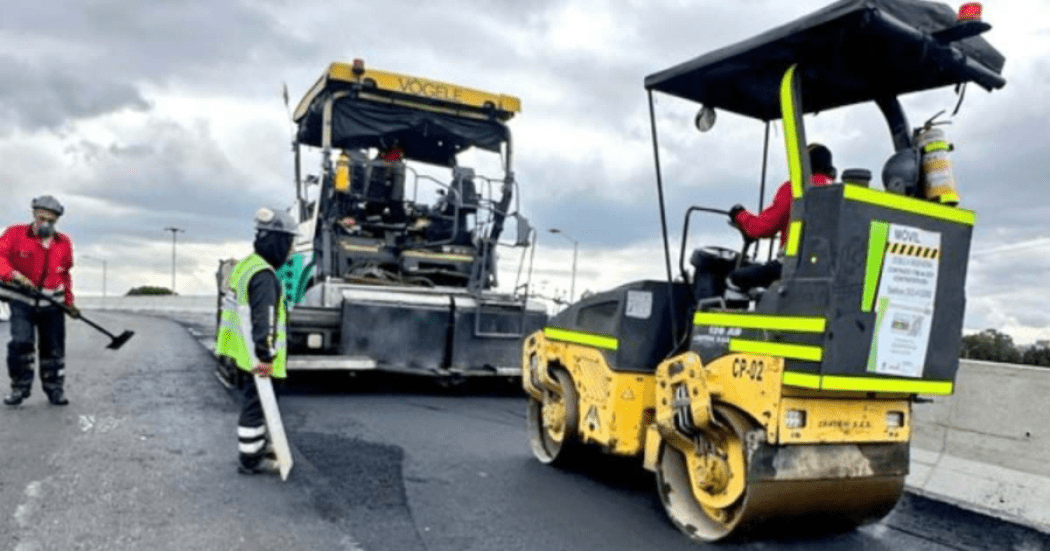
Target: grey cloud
{"x": 173, "y": 175}
{"x": 86, "y": 59}
{"x": 49, "y": 95}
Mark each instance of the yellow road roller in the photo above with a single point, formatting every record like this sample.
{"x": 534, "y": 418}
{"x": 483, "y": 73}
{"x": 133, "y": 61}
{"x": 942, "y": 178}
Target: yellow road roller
{"x": 793, "y": 399}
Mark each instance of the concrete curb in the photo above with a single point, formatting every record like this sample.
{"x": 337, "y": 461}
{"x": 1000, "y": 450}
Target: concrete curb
{"x": 1005, "y": 494}
{"x": 986, "y": 448}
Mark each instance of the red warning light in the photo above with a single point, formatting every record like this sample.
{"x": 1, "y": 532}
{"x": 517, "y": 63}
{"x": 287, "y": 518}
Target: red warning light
{"x": 359, "y": 66}
{"x": 971, "y": 11}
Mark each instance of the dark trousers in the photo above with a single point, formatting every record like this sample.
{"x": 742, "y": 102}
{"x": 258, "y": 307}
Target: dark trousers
{"x": 252, "y": 436}
{"x": 30, "y": 326}
{"x": 756, "y": 275}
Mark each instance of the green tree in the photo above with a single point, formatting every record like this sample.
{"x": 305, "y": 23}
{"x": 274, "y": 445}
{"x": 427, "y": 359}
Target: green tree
{"x": 149, "y": 290}
{"x": 1037, "y": 355}
{"x": 990, "y": 345}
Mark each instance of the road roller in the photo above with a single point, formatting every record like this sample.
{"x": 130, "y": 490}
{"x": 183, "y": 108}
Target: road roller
{"x": 790, "y": 401}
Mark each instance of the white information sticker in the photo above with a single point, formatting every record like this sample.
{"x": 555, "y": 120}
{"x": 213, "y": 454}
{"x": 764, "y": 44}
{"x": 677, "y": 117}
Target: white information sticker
{"x": 905, "y": 302}
{"x": 639, "y": 304}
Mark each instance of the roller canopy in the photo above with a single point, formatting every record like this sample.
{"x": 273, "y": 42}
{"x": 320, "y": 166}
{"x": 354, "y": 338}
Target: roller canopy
{"x": 848, "y": 52}
{"x": 425, "y": 136}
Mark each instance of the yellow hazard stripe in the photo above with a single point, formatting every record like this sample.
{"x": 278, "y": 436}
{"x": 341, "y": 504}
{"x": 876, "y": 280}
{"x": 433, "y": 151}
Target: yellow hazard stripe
{"x": 792, "y": 139}
{"x": 803, "y": 380}
{"x": 908, "y": 204}
{"x": 867, "y": 384}
{"x": 579, "y": 337}
{"x": 804, "y": 352}
{"x": 877, "y": 235}
{"x": 799, "y": 324}
{"x": 947, "y": 197}
{"x": 937, "y": 146}
{"x": 919, "y": 251}
{"x": 794, "y": 238}
{"x": 871, "y": 384}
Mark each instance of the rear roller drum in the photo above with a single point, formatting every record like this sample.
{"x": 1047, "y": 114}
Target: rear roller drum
{"x": 708, "y": 495}
{"x": 552, "y": 423}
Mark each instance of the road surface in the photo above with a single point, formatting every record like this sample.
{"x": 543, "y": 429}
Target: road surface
{"x": 144, "y": 458}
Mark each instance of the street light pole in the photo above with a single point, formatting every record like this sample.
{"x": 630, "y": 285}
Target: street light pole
{"x": 173, "y": 231}
{"x": 103, "y": 261}
{"x": 575, "y": 249}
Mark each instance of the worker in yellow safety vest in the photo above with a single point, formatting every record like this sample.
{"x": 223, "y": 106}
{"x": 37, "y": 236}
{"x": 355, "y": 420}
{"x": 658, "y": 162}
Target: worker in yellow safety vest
{"x": 252, "y": 331}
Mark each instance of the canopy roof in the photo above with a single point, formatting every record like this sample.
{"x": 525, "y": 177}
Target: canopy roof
{"x": 848, "y": 52}
{"x": 432, "y": 121}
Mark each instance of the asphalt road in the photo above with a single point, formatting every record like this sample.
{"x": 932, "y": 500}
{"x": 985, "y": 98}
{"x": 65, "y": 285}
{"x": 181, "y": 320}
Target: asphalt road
{"x": 144, "y": 458}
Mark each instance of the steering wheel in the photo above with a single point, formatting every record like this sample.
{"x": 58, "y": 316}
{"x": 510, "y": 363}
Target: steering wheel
{"x": 725, "y": 253}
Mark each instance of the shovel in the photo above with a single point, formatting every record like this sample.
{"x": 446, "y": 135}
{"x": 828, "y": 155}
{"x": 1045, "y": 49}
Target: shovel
{"x": 116, "y": 341}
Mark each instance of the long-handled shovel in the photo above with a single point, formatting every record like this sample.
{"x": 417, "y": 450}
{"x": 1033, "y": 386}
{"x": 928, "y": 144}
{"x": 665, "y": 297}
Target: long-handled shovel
{"x": 116, "y": 340}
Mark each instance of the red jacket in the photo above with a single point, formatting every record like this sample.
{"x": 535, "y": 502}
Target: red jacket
{"x": 22, "y": 251}
{"x": 776, "y": 216}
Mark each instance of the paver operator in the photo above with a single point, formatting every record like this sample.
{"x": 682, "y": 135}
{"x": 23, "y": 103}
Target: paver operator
{"x": 253, "y": 331}
{"x": 38, "y": 258}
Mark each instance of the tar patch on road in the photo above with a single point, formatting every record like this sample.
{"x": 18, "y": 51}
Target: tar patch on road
{"x": 961, "y": 529}
{"x": 360, "y": 486}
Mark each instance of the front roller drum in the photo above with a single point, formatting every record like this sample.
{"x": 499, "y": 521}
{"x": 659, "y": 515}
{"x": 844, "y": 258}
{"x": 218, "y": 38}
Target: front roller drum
{"x": 708, "y": 504}
{"x": 553, "y": 422}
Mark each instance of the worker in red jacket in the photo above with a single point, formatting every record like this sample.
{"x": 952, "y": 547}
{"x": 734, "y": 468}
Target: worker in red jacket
{"x": 775, "y": 219}
{"x": 38, "y": 258}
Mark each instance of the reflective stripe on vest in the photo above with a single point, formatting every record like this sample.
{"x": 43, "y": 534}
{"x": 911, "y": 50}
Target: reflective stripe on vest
{"x": 234, "y": 337}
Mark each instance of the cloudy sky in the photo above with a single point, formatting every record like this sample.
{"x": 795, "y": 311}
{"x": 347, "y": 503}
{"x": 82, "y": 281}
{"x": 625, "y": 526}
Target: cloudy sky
{"x": 146, "y": 115}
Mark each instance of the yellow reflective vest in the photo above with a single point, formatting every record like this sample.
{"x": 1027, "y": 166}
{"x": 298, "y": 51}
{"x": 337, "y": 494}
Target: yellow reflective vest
{"x": 234, "y": 337}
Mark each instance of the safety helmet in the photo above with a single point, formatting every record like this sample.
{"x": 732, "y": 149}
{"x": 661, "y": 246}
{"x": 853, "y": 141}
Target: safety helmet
{"x": 275, "y": 220}
{"x": 47, "y": 202}
{"x": 820, "y": 159}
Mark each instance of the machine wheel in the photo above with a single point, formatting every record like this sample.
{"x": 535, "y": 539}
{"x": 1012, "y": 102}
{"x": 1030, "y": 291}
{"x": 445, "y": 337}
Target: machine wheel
{"x": 553, "y": 422}
{"x": 723, "y": 504}
{"x": 711, "y": 501}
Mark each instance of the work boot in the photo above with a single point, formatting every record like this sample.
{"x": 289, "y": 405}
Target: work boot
{"x": 57, "y": 397}
{"x": 266, "y": 466}
{"x": 16, "y": 397}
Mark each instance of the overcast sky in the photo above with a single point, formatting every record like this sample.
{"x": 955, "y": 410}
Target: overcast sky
{"x": 145, "y": 115}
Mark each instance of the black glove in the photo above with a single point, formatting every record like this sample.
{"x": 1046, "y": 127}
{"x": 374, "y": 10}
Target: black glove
{"x": 737, "y": 209}
{"x": 73, "y": 311}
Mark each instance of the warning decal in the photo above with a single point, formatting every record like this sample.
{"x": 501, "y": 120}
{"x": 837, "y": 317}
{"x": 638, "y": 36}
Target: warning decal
{"x": 905, "y": 302}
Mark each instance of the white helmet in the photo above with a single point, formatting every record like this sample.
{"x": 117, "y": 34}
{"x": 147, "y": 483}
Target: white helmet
{"x": 275, "y": 221}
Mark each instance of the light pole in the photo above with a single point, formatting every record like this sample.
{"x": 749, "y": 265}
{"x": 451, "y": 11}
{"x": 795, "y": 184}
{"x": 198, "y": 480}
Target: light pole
{"x": 103, "y": 261}
{"x": 575, "y": 248}
{"x": 174, "y": 231}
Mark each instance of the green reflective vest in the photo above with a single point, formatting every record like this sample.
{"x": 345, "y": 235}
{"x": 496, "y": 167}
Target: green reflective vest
{"x": 234, "y": 337}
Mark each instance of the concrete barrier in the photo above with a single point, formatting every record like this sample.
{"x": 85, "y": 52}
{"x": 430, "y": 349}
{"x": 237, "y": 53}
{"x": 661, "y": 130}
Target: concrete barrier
{"x": 987, "y": 447}
{"x": 162, "y": 303}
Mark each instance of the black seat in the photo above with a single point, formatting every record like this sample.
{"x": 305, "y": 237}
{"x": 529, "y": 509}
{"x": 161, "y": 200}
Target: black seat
{"x": 711, "y": 266}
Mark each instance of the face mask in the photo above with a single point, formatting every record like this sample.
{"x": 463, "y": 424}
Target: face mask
{"x": 45, "y": 229}
{"x": 274, "y": 247}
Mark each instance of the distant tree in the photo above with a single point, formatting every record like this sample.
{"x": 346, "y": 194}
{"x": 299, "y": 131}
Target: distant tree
{"x": 990, "y": 345}
{"x": 1037, "y": 355}
{"x": 147, "y": 290}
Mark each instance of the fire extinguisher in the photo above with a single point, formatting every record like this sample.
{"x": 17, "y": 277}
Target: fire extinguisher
{"x": 934, "y": 149}
{"x": 342, "y": 173}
